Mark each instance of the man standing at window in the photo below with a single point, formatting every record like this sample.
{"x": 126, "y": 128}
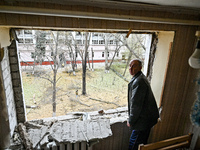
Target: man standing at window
{"x": 142, "y": 108}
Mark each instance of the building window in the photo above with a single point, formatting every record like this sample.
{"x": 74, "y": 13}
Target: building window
{"x": 94, "y": 41}
{"x": 79, "y": 42}
{"x": 111, "y": 42}
{"x": 98, "y": 38}
{"x": 101, "y": 42}
{"x": 32, "y": 55}
{"x": 28, "y": 41}
{"x": 27, "y": 31}
{"x": 21, "y": 40}
{"x": 102, "y": 54}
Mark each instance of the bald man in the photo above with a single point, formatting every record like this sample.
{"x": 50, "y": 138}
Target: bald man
{"x": 142, "y": 108}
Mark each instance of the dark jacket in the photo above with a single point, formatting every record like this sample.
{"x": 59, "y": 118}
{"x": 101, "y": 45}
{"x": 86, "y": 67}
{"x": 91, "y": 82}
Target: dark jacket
{"x": 142, "y": 108}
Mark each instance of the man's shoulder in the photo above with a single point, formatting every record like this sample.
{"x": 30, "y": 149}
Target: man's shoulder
{"x": 141, "y": 79}
{"x": 141, "y": 76}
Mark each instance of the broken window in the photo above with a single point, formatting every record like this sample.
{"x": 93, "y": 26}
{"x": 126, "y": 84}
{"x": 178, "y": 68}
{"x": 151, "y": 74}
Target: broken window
{"x": 55, "y": 85}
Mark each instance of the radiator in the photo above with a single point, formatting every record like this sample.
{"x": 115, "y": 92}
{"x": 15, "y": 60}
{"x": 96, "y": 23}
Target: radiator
{"x": 68, "y": 146}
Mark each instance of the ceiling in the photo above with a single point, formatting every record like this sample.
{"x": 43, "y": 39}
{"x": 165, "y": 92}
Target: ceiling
{"x": 192, "y": 4}
{"x": 182, "y": 3}
{"x": 188, "y": 7}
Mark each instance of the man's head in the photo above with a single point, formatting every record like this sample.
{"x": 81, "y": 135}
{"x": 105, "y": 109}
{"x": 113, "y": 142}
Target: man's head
{"x": 135, "y": 66}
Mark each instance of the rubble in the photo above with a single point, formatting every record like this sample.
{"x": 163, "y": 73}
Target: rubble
{"x": 71, "y": 128}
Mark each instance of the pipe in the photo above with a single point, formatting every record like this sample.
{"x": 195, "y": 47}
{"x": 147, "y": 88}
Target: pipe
{"x": 93, "y": 15}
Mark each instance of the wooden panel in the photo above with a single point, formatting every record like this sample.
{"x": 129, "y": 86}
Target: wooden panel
{"x": 176, "y": 103}
{"x": 83, "y": 145}
{"x": 97, "y": 24}
{"x": 50, "y": 21}
{"x": 12, "y": 19}
{"x": 76, "y": 146}
{"x": 118, "y": 141}
{"x": 3, "y": 19}
{"x": 62, "y": 146}
{"x": 69, "y": 146}
{"x": 176, "y": 142}
{"x": 42, "y": 21}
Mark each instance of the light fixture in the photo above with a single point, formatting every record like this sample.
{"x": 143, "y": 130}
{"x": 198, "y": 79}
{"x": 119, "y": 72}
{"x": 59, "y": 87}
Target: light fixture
{"x": 194, "y": 60}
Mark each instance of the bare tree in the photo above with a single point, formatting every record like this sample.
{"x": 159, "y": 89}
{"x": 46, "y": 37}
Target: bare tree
{"x": 134, "y": 44}
{"x": 82, "y": 49}
{"x": 116, "y": 50}
{"x": 56, "y": 50}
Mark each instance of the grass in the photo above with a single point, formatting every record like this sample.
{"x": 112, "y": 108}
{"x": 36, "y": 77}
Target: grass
{"x": 106, "y": 87}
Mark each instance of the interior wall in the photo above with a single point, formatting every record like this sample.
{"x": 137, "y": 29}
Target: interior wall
{"x": 164, "y": 44}
{"x": 179, "y": 88}
{"x": 4, "y": 37}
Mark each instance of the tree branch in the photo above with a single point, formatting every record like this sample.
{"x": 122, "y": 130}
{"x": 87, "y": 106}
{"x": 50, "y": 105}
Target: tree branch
{"x": 104, "y": 101}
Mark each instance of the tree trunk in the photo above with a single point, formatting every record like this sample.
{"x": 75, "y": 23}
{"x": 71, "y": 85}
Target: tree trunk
{"x": 84, "y": 67}
{"x": 33, "y": 72}
{"x": 92, "y": 59}
{"x": 54, "y": 94}
{"x": 106, "y": 54}
{"x": 75, "y": 65}
{"x": 88, "y": 60}
{"x": 55, "y": 68}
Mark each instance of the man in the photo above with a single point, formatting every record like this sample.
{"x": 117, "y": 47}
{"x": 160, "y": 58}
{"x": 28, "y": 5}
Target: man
{"x": 142, "y": 108}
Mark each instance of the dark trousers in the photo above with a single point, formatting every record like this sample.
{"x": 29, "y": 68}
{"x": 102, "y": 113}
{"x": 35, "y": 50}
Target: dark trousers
{"x": 138, "y": 137}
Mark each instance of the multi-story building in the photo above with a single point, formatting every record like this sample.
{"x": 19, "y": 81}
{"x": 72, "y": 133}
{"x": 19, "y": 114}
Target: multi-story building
{"x": 101, "y": 46}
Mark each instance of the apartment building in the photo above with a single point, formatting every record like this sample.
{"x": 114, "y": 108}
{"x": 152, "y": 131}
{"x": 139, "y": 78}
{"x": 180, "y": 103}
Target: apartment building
{"x": 101, "y": 46}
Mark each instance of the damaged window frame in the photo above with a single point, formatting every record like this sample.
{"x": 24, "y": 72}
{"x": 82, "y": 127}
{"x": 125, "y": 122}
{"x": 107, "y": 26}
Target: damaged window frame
{"x": 111, "y": 116}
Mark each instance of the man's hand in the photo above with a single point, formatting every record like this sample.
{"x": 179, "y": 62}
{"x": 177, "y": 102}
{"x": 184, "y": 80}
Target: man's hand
{"x": 128, "y": 124}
